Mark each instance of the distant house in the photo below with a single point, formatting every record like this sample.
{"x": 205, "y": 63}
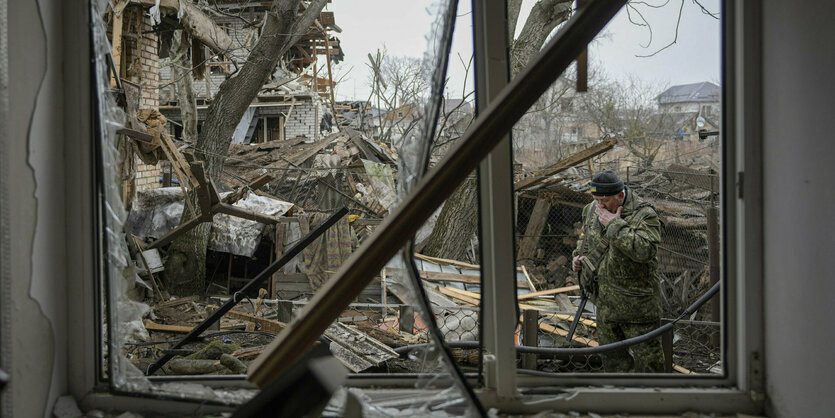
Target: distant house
{"x": 702, "y": 98}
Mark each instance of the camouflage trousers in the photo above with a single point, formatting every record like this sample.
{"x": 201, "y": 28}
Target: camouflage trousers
{"x": 646, "y": 357}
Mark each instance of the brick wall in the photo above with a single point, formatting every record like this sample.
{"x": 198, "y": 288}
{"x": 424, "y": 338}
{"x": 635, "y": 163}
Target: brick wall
{"x": 302, "y": 120}
{"x": 147, "y": 176}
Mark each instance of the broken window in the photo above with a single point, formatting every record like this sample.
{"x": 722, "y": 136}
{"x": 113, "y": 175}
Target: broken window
{"x": 610, "y": 113}
{"x": 299, "y": 153}
{"x": 292, "y": 164}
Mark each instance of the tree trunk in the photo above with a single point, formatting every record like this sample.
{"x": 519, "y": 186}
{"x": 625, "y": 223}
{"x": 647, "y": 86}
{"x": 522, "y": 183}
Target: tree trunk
{"x": 456, "y": 224}
{"x": 458, "y": 220}
{"x": 181, "y": 72}
{"x": 185, "y": 267}
{"x": 544, "y": 17}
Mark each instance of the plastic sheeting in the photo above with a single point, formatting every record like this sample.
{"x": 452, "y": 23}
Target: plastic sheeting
{"x": 239, "y": 236}
{"x": 158, "y": 211}
{"x": 382, "y": 182}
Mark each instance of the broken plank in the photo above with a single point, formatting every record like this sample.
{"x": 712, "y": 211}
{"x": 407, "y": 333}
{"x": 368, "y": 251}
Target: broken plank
{"x": 451, "y": 292}
{"x": 153, "y": 326}
{"x": 548, "y": 292}
{"x": 528, "y": 278}
{"x": 355, "y": 349}
{"x": 539, "y": 176}
{"x": 245, "y": 214}
{"x": 564, "y": 317}
{"x": 437, "y": 276}
{"x": 682, "y": 370}
{"x": 267, "y": 325}
{"x": 474, "y": 298}
{"x": 315, "y": 150}
{"x": 253, "y": 185}
{"x": 249, "y": 351}
{"x": 175, "y": 302}
{"x": 137, "y": 135}
{"x": 176, "y": 232}
{"x": 530, "y": 241}
{"x": 455, "y": 263}
{"x": 118, "y": 18}
{"x": 563, "y": 333}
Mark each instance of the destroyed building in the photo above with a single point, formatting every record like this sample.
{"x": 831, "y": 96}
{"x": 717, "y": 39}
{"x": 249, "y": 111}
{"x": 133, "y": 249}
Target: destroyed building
{"x": 69, "y": 182}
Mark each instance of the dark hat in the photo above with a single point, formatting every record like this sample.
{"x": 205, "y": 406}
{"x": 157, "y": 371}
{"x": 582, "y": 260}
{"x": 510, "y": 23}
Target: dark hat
{"x": 606, "y": 183}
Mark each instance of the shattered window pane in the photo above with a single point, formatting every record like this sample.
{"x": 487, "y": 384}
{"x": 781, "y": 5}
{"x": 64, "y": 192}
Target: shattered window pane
{"x": 211, "y": 178}
{"x": 644, "y": 102}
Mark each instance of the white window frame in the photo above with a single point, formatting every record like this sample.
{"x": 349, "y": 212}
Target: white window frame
{"x": 740, "y": 390}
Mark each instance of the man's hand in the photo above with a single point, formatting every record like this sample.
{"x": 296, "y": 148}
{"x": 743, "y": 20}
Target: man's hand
{"x": 604, "y": 216}
{"x": 575, "y": 263}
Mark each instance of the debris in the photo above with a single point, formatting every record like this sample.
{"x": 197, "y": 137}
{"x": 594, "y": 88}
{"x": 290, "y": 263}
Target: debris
{"x": 548, "y": 292}
{"x": 66, "y": 407}
{"x": 194, "y": 367}
{"x": 356, "y": 350}
{"x": 175, "y": 302}
{"x": 153, "y": 326}
{"x": 213, "y": 351}
{"x": 542, "y": 176}
{"x": 233, "y": 364}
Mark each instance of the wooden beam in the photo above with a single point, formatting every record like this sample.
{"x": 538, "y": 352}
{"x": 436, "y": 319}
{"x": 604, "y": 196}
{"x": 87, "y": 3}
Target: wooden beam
{"x": 244, "y": 213}
{"x": 153, "y": 326}
{"x": 137, "y": 135}
{"x": 119, "y": 8}
{"x": 176, "y": 302}
{"x": 451, "y": 292}
{"x": 176, "y": 232}
{"x": 253, "y": 185}
{"x": 249, "y": 351}
{"x": 267, "y": 325}
{"x": 564, "y": 317}
{"x": 437, "y": 276}
{"x": 538, "y": 219}
{"x": 455, "y": 263}
{"x": 539, "y": 176}
{"x": 563, "y": 333}
{"x": 548, "y": 292}
{"x": 473, "y": 296}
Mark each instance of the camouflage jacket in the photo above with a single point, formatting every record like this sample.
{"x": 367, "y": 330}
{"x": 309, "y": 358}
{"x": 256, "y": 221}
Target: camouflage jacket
{"x": 624, "y": 254}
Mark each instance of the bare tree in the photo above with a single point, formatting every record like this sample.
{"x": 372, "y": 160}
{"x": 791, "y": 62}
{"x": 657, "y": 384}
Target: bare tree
{"x": 626, "y": 111}
{"x": 457, "y": 222}
{"x": 398, "y": 84}
{"x": 283, "y": 26}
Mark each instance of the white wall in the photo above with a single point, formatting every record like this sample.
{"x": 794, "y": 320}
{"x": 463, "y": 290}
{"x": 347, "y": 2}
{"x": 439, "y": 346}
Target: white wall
{"x": 799, "y": 181}
{"x": 36, "y": 171}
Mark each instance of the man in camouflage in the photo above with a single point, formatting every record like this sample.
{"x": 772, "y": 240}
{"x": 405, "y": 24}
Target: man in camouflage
{"x": 620, "y": 236}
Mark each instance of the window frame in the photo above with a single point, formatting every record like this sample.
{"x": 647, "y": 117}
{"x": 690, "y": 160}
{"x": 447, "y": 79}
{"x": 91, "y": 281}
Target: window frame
{"x": 739, "y": 390}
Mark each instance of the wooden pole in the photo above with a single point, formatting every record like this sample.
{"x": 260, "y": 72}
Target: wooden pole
{"x": 531, "y": 324}
{"x": 118, "y": 14}
{"x": 713, "y": 254}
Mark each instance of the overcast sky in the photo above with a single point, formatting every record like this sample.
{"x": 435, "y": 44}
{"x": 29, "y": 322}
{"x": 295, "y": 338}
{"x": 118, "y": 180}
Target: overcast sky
{"x": 401, "y": 26}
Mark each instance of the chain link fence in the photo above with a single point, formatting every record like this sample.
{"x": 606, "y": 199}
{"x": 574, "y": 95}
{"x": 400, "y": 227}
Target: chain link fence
{"x": 549, "y": 222}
